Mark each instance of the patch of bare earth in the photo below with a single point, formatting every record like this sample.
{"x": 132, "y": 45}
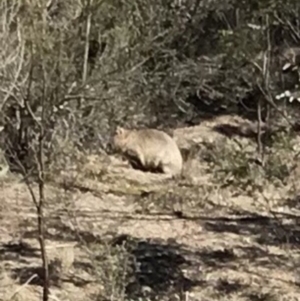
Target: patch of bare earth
{"x": 115, "y": 233}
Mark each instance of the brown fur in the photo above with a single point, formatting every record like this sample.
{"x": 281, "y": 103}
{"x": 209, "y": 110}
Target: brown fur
{"x": 149, "y": 150}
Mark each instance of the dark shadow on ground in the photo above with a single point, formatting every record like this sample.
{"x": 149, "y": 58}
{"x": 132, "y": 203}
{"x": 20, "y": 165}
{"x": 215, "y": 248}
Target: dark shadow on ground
{"x": 36, "y": 274}
{"x": 260, "y": 296}
{"x": 250, "y": 131}
{"x": 231, "y": 131}
{"x": 294, "y": 202}
{"x": 16, "y": 250}
{"x": 275, "y": 230}
{"x": 57, "y": 231}
{"x": 156, "y": 268}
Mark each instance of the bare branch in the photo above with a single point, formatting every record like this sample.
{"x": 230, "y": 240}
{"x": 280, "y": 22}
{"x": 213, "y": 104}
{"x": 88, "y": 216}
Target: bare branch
{"x": 86, "y": 50}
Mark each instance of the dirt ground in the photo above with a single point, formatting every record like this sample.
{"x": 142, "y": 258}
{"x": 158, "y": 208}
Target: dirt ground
{"x": 225, "y": 231}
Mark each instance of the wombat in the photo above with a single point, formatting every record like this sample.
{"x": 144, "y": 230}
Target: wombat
{"x": 149, "y": 150}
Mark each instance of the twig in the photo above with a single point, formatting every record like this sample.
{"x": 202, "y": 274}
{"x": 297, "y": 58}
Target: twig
{"x": 87, "y": 47}
{"x": 265, "y": 74}
{"x": 267, "y": 95}
{"x": 287, "y": 22}
{"x": 41, "y": 182}
{"x": 23, "y": 285}
{"x": 16, "y": 77}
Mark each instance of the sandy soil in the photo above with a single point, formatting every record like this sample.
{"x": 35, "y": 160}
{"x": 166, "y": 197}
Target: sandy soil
{"x": 190, "y": 239}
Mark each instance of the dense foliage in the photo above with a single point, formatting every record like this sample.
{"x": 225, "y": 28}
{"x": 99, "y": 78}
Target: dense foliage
{"x": 155, "y": 63}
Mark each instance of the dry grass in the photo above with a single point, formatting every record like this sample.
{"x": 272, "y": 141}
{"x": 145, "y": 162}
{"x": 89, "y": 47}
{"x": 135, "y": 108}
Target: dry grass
{"x": 226, "y": 231}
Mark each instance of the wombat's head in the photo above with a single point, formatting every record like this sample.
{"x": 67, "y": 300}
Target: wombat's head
{"x": 120, "y": 137}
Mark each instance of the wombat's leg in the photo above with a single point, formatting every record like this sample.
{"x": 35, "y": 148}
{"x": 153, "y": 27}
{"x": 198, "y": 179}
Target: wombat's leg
{"x": 171, "y": 169}
{"x": 136, "y": 164}
{"x": 141, "y": 159}
{"x": 136, "y": 160}
{"x": 167, "y": 169}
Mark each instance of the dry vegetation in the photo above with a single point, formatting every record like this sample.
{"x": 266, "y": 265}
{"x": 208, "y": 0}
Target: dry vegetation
{"x": 79, "y": 223}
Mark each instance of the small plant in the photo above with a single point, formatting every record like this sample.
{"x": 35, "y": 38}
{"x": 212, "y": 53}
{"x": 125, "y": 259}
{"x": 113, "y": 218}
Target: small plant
{"x": 234, "y": 165}
{"x": 280, "y": 159}
{"x": 110, "y": 265}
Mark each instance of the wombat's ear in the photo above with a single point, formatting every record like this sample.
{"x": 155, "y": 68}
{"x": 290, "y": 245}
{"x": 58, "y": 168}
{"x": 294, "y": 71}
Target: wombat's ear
{"x": 119, "y": 130}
